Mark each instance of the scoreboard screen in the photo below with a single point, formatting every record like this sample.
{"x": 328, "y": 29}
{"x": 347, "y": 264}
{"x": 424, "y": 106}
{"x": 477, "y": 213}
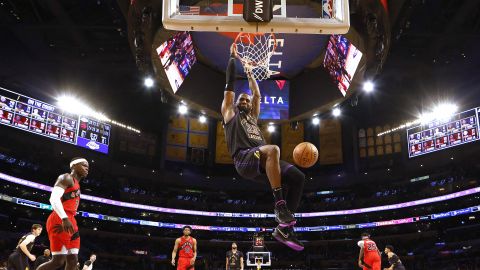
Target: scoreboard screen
{"x": 461, "y": 128}
{"x": 41, "y": 118}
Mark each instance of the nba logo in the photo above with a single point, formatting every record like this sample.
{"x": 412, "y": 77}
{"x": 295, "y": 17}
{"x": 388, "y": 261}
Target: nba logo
{"x": 327, "y": 9}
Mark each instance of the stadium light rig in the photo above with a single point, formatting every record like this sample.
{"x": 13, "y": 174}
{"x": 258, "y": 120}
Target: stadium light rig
{"x": 442, "y": 112}
{"x": 73, "y": 105}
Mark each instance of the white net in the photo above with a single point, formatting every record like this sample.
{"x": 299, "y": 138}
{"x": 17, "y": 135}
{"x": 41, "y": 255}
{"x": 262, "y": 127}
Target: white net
{"x": 254, "y": 51}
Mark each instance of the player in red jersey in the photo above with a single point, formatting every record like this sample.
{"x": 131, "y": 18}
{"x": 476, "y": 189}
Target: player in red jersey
{"x": 188, "y": 250}
{"x": 369, "y": 257}
{"x": 61, "y": 225}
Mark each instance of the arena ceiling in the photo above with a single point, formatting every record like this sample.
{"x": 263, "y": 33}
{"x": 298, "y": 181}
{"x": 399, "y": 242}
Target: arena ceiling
{"x": 85, "y": 47}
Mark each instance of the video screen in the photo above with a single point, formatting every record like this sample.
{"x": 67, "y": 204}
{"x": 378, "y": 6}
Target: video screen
{"x": 177, "y": 56}
{"x": 341, "y": 61}
{"x": 460, "y": 129}
{"x": 275, "y": 97}
{"x": 44, "y": 119}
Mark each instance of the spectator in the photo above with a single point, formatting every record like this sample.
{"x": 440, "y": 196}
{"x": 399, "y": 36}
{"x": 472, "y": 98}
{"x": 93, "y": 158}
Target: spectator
{"x": 43, "y": 259}
{"x": 88, "y": 265}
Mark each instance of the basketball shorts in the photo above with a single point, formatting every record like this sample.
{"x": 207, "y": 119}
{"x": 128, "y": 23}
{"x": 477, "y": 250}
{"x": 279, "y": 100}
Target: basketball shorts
{"x": 247, "y": 164}
{"x": 184, "y": 264}
{"x": 18, "y": 261}
{"x": 375, "y": 263}
{"x": 59, "y": 238}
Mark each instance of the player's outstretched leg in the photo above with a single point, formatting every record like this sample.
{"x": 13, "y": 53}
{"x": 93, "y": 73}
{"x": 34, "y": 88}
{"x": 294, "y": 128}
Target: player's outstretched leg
{"x": 56, "y": 262}
{"x": 270, "y": 160}
{"x": 293, "y": 181}
{"x": 284, "y": 232}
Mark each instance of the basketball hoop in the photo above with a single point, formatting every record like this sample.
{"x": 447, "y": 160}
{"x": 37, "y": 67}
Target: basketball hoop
{"x": 254, "y": 51}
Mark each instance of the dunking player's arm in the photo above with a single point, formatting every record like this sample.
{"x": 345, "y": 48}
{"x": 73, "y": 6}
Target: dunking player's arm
{"x": 252, "y": 83}
{"x": 228, "y": 111}
{"x": 64, "y": 181}
{"x": 174, "y": 252}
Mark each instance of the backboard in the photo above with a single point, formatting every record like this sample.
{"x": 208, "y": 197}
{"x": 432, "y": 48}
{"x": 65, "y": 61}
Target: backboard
{"x": 293, "y": 16}
{"x": 258, "y": 259}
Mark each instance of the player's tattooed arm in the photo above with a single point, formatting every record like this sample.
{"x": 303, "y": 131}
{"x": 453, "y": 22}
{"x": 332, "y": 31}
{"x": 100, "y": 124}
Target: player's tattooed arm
{"x": 228, "y": 111}
{"x": 256, "y": 96}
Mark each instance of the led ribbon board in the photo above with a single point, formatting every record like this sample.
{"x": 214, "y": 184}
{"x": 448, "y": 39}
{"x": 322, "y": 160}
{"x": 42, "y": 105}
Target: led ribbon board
{"x": 159, "y": 224}
{"x": 450, "y": 196}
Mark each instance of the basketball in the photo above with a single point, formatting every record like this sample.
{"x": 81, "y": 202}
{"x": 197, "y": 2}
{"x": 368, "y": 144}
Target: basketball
{"x": 305, "y": 155}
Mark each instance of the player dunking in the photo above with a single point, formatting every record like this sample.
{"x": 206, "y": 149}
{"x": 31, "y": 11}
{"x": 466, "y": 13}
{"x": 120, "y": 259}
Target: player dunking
{"x": 256, "y": 160}
{"x": 61, "y": 224}
{"x": 188, "y": 250}
{"x": 369, "y": 257}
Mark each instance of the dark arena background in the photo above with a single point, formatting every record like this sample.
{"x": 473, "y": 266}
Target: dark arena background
{"x": 392, "y": 105}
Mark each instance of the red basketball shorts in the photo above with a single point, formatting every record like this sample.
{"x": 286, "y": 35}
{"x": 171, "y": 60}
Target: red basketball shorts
{"x": 184, "y": 264}
{"x": 59, "y": 238}
{"x": 374, "y": 262}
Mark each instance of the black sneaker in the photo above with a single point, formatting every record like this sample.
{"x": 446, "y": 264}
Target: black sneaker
{"x": 287, "y": 236}
{"x": 283, "y": 216}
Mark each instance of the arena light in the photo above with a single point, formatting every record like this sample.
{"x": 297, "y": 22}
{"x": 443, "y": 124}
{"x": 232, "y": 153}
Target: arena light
{"x": 441, "y": 112}
{"x": 182, "y": 108}
{"x": 271, "y": 128}
{"x": 445, "y": 111}
{"x": 202, "y": 119}
{"x": 148, "y": 82}
{"x": 403, "y": 126}
{"x": 73, "y": 105}
{"x": 315, "y": 121}
{"x": 368, "y": 86}
{"x": 336, "y": 112}
{"x": 426, "y": 118}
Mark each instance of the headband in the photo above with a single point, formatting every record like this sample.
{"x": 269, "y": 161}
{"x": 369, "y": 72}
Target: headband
{"x": 76, "y": 161}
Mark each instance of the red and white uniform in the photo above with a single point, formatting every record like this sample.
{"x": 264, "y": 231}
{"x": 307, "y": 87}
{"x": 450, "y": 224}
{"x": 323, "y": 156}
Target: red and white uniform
{"x": 59, "y": 238}
{"x": 186, "y": 253}
{"x": 371, "y": 256}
